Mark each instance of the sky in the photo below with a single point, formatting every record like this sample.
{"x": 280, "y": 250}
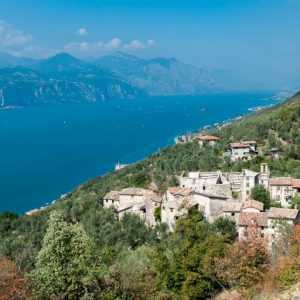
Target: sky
{"x": 257, "y": 41}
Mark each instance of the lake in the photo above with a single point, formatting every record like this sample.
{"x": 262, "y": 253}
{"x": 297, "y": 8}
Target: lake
{"x": 46, "y": 151}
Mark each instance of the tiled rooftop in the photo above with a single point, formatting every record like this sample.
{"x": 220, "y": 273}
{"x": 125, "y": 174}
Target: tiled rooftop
{"x": 253, "y": 204}
{"x": 285, "y": 213}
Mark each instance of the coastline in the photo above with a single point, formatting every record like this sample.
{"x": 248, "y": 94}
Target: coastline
{"x": 184, "y": 138}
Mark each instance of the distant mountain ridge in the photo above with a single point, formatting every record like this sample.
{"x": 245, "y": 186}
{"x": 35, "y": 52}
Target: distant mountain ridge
{"x": 159, "y": 76}
{"x": 64, "y": 78}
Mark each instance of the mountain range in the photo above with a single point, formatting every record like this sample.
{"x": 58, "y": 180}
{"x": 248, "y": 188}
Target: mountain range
{"x": 64, "y": 78}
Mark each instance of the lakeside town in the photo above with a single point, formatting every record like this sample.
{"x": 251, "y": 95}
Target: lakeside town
{"x": 217, "y": 194}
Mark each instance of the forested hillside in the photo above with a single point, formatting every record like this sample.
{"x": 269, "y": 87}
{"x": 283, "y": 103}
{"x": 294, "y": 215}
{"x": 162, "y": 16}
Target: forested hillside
{"x": 87, "y": 253}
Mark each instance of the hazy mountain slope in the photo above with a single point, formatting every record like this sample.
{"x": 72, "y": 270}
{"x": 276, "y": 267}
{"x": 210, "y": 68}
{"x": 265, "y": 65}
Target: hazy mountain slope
{"x": 7, "y": 60}
{"x": 159, "y": 76}
{"x": 61, "y": 79}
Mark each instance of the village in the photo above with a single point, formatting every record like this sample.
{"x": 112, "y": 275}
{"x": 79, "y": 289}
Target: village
{"x": 217, "y": 194}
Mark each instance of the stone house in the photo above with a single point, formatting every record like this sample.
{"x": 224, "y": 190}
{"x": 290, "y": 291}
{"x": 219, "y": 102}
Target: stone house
{"x": 242, "y": 150}
{"x": 224, "y": 184}
{"x": 252, "y": 223}
{"x": 252, "y": 206}
{"x": 232, "y": 210}
{"x": 206, "y": 182}
{"x": 207, "y": 140}
{"x": 178, "y": 199}
{"x": 175, "y": 203}
{"x": 282, "y": 189}
{"x": 138, "y": 201}
{"x": 276, "y": 216}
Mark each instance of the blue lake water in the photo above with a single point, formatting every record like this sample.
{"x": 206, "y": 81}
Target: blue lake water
{"x": 46, "y": 151}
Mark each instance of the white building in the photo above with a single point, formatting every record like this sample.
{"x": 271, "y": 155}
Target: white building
{"x": 141, "y": 202}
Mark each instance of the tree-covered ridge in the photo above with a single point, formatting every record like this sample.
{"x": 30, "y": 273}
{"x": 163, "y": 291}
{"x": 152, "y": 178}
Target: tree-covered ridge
{"x": 137, "y": 262}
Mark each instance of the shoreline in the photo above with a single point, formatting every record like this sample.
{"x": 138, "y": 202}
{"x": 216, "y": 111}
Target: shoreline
{"x": 186, "y": 137}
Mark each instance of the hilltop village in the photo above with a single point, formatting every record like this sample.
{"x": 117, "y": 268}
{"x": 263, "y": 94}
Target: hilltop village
{"x": 217, "y": 194}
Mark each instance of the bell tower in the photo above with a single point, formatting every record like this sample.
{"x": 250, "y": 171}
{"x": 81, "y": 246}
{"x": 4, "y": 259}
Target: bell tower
{"x": 264, "y": 175}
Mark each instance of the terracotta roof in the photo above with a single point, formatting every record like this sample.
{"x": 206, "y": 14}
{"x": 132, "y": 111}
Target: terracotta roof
{"x": 280, "y": 181}
{"x": 285, "y": 213}
{"x": 253, "y": 219}
{"x": 296, "y": 183}
{"x": 176, "y": 190}
{"x": 253, "y": 204}
{"x": 207, "y": 138}
{"x": 147, "y": 194}
{"x": 239, "y": 145}
{"x": 32, "y": 212}
{"x": 232, "y": 207}
{"x": 113, "y": 195}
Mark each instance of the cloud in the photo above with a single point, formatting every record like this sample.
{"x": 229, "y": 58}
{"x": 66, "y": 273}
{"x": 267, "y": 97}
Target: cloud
{"x": 136, "y": 44}
{"x": 82, "y": 32}
{"x": 94, "y": 47}
{"x": 11, "y": 38}
{"x": 114, "y": 43}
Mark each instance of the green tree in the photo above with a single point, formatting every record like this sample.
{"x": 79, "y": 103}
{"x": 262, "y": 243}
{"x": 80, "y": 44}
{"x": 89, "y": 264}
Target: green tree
{"x": 296, "y": 202}
{"x": 226, "y": 226}
{"x": 64, "y": 268}
{"x": 186, "y": 265}
{"x": 259, "y": 193}
{"x": 157, "y": 213}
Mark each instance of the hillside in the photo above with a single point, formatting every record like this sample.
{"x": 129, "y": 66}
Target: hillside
{"x": 159, "y": 76}
{"x": 136, "y": 262}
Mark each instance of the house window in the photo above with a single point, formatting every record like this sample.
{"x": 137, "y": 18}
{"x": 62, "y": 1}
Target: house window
{"x": 278, "y": 188}
{"x": 247, "y": 184}
{"x": 176, "y": 218}
{"x": 163, "y": 207}
{"x": 203, "y": 188}
{"x": 113, "y": 201}
{"x": 247, "y": 192}
{"x": 262, "y": 235}
{"x": 106, "y": 200}
{"x": 155, "y": 204}
{"x": 232, "y": 214}
{"x": 171, "y": 209}
{"x": 247, "y": 178}
{"x": 262, "y": 227}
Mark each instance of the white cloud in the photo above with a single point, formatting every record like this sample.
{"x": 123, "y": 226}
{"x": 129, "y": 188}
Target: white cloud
{"x": 136, "y": 44}
{"x": 114, "y": 43}
{"x": 84, "y": 47}
{"x": 11, "y": 38}
{"x": 82, "y": 32}
{"x": 95, "y": 48}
